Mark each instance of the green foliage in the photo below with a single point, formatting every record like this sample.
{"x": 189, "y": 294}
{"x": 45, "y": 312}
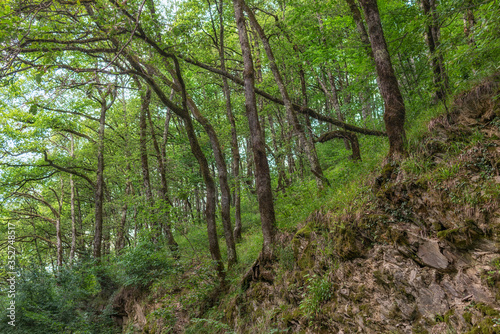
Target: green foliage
{"x": 286, "y": 258}
{"x": 318, "y": 290}
{"x": 146, "y": 262}
{"x": 57, "y": 302}
{"x": 209, "y": 326}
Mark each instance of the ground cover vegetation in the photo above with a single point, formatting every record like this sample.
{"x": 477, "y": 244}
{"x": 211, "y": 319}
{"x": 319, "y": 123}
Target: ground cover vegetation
{"x": 250, "y": 166}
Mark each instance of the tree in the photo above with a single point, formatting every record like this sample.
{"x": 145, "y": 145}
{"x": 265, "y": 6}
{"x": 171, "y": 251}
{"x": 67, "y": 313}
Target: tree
{"x": 262, "y": 175}
{"x": 394, "y": 115}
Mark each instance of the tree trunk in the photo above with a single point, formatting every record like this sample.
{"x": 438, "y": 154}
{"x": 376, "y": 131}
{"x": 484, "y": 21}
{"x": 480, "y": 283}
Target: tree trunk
{"x": 211, "y": 200}
{"x": 394, "y": 115}
{"x": 73, "y": 213}
{"x": 263, "y": 178}
{"x": 164, "y": 186}
{"x": 432, "y": 35}
{"x": 278, "y": 156}
{"x": 234, "y": 138}
{"x": 58, "y": 229}
{"x": 223, "y": 181}
{"x": 351, "y": 137}
{"x": 120, "y": 235}
{"x": 99, "y": 191}
{"x": 143, "y": 150}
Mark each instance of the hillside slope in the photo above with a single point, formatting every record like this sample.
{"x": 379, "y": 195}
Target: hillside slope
{"x": 418, "y": 250}
{"x": 417, "y": 253}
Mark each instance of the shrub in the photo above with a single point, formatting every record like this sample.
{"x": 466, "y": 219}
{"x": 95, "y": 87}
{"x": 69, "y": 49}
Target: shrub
{"x": 146, "y": 262}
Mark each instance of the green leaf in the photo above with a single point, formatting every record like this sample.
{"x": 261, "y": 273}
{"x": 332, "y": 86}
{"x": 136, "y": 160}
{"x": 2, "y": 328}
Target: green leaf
{"x": 38, "y": 78}
{"x": 34, "y": 109}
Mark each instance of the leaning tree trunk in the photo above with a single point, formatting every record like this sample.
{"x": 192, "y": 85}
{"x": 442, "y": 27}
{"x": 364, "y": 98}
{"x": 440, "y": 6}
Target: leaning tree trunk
{"x": 394, "y": 115}
{"x": 223, "y": 181}
{"x": 221, "y": 168}
{"x": 262, "y": 173}
{"x": 183, "y": 113}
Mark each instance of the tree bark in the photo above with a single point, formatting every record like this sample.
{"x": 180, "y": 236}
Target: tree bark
{"x": 394, "y": 115}
{"x": 263, "y": 178}
{"x": 351, "y": 137}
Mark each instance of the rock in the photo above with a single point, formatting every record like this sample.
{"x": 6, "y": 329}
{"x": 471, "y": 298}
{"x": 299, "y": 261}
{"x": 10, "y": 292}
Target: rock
{"x": 430, "y": 255}
{"x": 432, "y": 300}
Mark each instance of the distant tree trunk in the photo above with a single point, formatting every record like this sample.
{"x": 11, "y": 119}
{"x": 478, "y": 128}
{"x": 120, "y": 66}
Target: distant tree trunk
{"x": 58, "y": 228}
{"x": 334, "y": 100}
{"x": 99, "y": 191}
{"x": 164, "y": 186}
{"x": 263, "y": 178}
{"x": 143, "y": 150}
{"x": 432, "y": 35}
{"x": 120, "y": 235}
{"x": 234, "y": 138}
{"x": 249, "y": 163}
{"x": 99, "y": 185}
{"x": 469, "y": 22}
{"x": 332, "y": 92}
{"x": 394, "y": 115}
{"x": 80, "y": 220}
{"x": 72, "y": 204}
{"x": 283, "y": 181}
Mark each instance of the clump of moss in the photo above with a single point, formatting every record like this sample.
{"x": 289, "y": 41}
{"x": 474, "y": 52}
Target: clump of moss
{"x": 346, "y": 243}
{"x": 485, "y": 326}
{"x": 419, "y": 329}
{"x": 462, "y": 237}
{"x": 487, "y": 310}
{"x": 467, "y": 317}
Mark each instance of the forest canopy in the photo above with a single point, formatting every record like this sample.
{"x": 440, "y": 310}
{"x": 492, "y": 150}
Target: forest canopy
{"x": 149, "y": 132}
